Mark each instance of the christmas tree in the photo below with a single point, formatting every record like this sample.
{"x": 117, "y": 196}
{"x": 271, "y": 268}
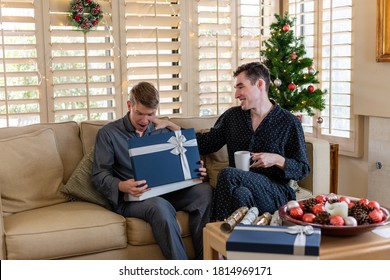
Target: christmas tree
{"x": 293, "y": 75}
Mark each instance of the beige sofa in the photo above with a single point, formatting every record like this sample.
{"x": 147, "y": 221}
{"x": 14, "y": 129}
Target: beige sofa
{"x": 50, "y": 210}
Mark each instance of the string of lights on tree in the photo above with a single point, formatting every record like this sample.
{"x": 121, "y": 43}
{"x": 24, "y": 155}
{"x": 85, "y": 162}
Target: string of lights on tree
{"x": 293, "y": 75}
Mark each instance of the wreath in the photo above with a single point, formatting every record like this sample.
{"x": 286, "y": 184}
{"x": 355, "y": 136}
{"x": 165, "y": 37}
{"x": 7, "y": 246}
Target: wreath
{"x": 85, "y": 14}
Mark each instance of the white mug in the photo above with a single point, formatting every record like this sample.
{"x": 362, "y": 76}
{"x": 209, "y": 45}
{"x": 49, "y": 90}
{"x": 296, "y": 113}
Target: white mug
{"x": 242, "y": 159}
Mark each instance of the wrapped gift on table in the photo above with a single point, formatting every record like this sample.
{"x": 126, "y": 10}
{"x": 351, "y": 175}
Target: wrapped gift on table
{"x": 168, "y": 162}
{"x": 251, "y": 242}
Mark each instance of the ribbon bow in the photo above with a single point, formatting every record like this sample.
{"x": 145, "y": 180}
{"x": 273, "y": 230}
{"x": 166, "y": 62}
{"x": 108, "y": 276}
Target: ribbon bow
{"x": 300, "y": 240}
{"x": 178, "y": 143}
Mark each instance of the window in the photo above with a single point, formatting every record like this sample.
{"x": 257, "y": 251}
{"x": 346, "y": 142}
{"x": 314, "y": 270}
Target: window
{"x": 153, "y": 49}
{"x": 51, "y": 72}
{"x": 20, "y": 77}
{"x": 81, "y": 72}
{"x": 327, "y": 28}
{"x": 229, "y": 33}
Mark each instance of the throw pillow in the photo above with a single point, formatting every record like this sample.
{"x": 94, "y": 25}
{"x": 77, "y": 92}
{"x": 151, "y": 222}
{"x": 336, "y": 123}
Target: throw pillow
{"x": 79, "y": 185}
{"x": 215, "y": 162}
{"x": 31, "y": 172}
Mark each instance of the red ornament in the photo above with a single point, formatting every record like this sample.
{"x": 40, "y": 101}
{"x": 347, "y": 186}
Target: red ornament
{"x": 376, "y": 216}
{"x": 374, "y": 204}
{"x": 299, "y": 116}
{"x": 296, "y": 212}
{"x": 345, "y": 199}
{"x": 286, "y": 28}
{"x": 364, "y": 201}
{"x": 318, "y": 208}
{"x": 292, "y": 86}
{"x": 310, "y": 88}
{"x": 294, "y": 56}
{"x": 308, "y": 217}
{"x": 336, "y": 221}
{"x": 320, "y": 198}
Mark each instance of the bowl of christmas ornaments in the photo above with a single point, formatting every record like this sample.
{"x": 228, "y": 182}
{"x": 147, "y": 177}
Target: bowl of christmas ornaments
{"x": 336, "y": 215}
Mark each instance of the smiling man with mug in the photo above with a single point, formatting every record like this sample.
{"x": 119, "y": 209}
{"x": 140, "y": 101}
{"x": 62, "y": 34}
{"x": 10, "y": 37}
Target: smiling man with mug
{"x": 273, "y": 136}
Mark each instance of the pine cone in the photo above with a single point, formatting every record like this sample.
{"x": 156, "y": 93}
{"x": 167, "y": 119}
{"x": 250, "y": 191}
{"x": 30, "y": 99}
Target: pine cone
{"x": 360, "y": 212}
{"x": 362, "y": 217}
{"x": 322, "y": 218}
{"x": 308, "y": 205}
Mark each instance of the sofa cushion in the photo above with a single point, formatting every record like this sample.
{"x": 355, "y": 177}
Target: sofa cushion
{"x": 31, "y": 172}
{"x": 66, "y": 134}
{"x": 63, "y": 230}
{"x": 79, "y": 185}
{"x": 215, "y": 162}
{"x": 140, "y": 232}
{"x": 197, "y": 123}
{"x": 88, "y": 131}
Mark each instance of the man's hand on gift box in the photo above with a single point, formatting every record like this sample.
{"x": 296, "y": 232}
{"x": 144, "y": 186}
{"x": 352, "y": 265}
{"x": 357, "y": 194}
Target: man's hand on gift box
{"x": 203, "y": 172}
{"x": 135, "y": 188}
{"x": 163, "y": 123}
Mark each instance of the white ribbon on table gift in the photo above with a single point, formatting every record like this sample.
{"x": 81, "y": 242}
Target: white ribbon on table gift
{"x": 300, "y": 231}
{"x": 300, "y": 240}
{"x": 177, "y": 143}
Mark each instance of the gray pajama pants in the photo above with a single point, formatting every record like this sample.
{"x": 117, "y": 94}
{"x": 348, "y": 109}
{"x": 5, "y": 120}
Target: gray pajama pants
{"x": 160, "y": 213}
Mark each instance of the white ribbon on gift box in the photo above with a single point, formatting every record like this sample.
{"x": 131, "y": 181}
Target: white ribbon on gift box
{"x": 177, "y": 143}
{"x": 300, "y": 240}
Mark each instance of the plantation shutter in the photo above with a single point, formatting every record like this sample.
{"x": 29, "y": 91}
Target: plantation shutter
{"x": 229, "y": 34}
{"x": 327, "y": 27}
{"x": 305, "y": 25}
{"x": 153, "y": 49}
{"x": 336, "y": 65}
{"x": 83, "y": 66}
{"x": 20, "y": 77}
{"x": 216, "y": 58}
{"x": 255, "y": 18}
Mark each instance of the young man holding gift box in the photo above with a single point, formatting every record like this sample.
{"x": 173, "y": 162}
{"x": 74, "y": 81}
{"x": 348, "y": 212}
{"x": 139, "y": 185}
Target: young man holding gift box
{"x": 113, "y": 176}
{"x": 275, "y": 139}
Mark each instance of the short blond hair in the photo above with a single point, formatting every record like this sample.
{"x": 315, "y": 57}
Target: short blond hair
{"x": 146, "y": 94}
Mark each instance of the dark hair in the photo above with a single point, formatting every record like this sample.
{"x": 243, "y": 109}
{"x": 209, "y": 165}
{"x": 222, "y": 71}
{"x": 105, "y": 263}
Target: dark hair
{"x": 254, "y": 71}
{"x": 146, "y": 94}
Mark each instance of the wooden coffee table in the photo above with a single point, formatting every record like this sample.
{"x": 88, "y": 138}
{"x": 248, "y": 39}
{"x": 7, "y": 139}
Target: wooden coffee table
{"x": 365, "y": 246}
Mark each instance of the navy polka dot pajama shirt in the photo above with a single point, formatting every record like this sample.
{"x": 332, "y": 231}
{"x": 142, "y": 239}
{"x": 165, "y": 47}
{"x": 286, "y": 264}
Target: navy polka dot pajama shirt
{"x": 265, "y": 188}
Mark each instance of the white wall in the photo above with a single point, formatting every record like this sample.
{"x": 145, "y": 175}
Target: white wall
{"x": 371, "y": 91}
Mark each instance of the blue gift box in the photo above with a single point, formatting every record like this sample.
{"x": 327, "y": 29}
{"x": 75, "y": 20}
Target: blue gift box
{"x": 168, "y": 161}
{"x": 273, "y": 242}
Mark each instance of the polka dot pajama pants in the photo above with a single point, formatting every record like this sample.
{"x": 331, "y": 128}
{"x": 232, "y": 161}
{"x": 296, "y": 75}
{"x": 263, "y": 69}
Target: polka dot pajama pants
{"x": 237, "y": 188}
